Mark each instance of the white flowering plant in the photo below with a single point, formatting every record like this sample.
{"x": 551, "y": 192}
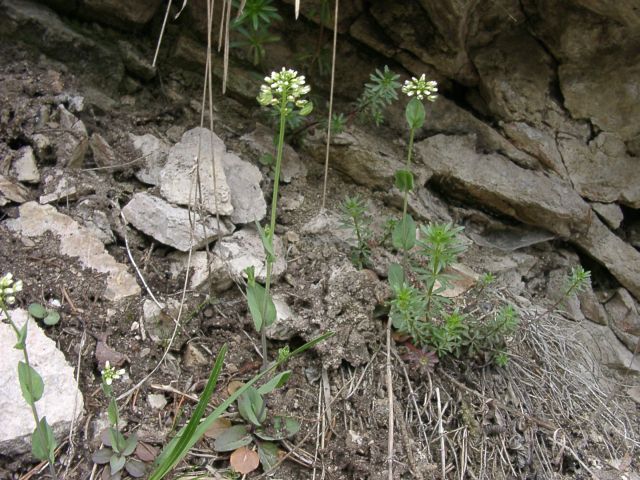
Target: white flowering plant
{"x": 117, "y": 450}
{"x": 284, "y": 91}
{"x": 43, "y": 441}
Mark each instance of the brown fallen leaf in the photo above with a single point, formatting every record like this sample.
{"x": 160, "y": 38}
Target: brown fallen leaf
{"x": 244, "y": 460}
{"x": 218, "y": 426}
{"x": 233, "y": 386}
{"x": 146, "y": 453}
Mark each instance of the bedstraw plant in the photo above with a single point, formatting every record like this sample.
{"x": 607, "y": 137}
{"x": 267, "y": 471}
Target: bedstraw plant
{"x": 283, "y": 91}
{"x": 43, "y": 442}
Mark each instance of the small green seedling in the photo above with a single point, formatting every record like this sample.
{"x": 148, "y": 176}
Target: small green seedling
{"x": 256, "y": 428}
{"x": 354, "y": 217}
{"x": 117, "y": 453}
{"x": 48, "y": 316}
{"x": 378, "y": 94}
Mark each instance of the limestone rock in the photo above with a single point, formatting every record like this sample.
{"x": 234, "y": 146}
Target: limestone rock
{"x": 243, "y": 180}
{"x": 24, "y": 166}
{"x": 605, "y": 347}
{"x": 362, "y": 156}
{"x": 623, "y": 11}
{"x": 169, "y": 224}
{"x": 103, "y": 154}
{"x": 158, "y": 322}
{"x": 38, "y": 25}
{"x": 154, "y": 153}
{"x": 71, "y": 146}
{"x": 62, "y": 402}
{"x": 194, "y": 357}
{"x": 12, "y": 192}
{"x": 602, "y": 171}
{"x": 610, "y": 213}
{"x": 121, "y": 13}
{"x": 494, "y": 181}
{"x": 244, "y": 249}
{"x": 516, "y": 86}
{"x": 199, "y": 270}
{"x": 260, "y": 142}
{"x": 537, "y": 141}
{"x": 135, "y": 63}
{"x": 589, "y": 92}
{"x": 624, "y": 318}
{"x": 620, "y": 258}
{"x": 78, "y": 242}
{"x": 179, "y": 175}
{"x": 156, "y": 401}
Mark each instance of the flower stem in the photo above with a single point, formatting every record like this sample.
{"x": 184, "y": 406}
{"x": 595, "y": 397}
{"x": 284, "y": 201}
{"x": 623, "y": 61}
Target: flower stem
{"x": 271, "y": 232}
{"x": 405, "y": 200}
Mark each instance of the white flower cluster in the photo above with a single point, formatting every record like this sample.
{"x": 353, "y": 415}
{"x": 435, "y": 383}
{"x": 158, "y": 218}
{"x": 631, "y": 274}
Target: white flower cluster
{"x": 421, "y": 88}
{"x": 285, "y": 84}
{"x": 8, "y": 289}
{"x": 109, "y": 374}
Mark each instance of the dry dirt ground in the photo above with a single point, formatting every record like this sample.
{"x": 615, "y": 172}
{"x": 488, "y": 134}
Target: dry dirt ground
{"x": 546, "y": 415}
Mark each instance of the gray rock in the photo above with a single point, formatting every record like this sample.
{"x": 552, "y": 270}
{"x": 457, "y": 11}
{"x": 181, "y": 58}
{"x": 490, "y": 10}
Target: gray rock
{"x": 78, "y": 242}
{"x": 602, "y": 171}
{"x": 494, "y": 181}
{"x": 103, "y": 154}
{"x": 605, "y": 347}
{"x": 244, "y": 249}
{"x": 260, "y": 142}
{"x": 62, "y": 402}
{"x": 364, "y": 157}
{"x": 517, "y": 89}
{"x": 243, "y": 180}
{"x": 281, "y": 329}
{"x": 37, "y": 25}
{"x": 154, "y": 153}
{"x": 590, "y": 94}
{"x": 623, "y": 11}
{"x": 61, "y": 185}
{"x": 169, "y": 224}
{"x": 71, "y": 146}
{"x": 537, "y": 141}
{"x": 219, "y": 281}
{"x": 620, "y": 258}
{"x": 135, "y": 63}
{"x": 158, "y": 322}
{"x": 24, "y": 166}
{"x": 121, "y": 13}
{"x": 12, "y": 192}
{"x": 194, "y": 357}
{"x": 624, "y": 318}
{"x": 179, "y": 175}
{"x": 95, "y": 220}
{"x": 156, "y": 401}
{"x": 610, "y": 213}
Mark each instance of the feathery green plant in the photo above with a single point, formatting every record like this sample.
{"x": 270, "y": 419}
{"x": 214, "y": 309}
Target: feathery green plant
{"x": 378, "y": 94}
{"x": 43, "y": 442}
{"x": 253, "y": 25}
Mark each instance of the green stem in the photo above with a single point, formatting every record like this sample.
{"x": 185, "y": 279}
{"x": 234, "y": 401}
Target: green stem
{"x": 272, "y": 228}
{"x": 405, "y": 200}
{"x": 34, "y": 411}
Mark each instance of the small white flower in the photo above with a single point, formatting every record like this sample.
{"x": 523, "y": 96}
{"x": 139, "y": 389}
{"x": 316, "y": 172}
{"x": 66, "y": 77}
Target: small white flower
{"x": 109, "y": 374}
{"x": 8, "y": 289}
{"x": 421, "y": 88}
{"x": 283, "y": 85}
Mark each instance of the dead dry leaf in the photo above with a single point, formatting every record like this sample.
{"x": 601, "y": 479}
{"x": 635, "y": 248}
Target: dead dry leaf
{"x": 244, "y": 460}
{"x": 218, "y": 426}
